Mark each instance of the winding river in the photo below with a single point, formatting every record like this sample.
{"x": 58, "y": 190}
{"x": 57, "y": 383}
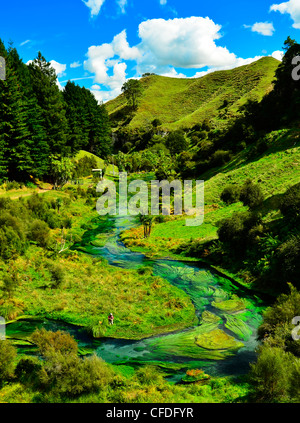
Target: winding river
{"x": 222, "y": 343}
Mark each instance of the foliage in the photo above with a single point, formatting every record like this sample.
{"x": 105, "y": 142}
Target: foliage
{"x": 61, "y": 170}
{"x": 37, "y": 119}
{"x": 132, "y": 90}
{"x": 8, "y": 355}
{"x": 230, "y": 194}
{"x": 176, "y": 142}
{"x": 271, "y": 375}
{"x": 251, "y": 195}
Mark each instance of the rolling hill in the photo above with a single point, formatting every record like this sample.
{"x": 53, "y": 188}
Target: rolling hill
{"x": 181, "y": 103}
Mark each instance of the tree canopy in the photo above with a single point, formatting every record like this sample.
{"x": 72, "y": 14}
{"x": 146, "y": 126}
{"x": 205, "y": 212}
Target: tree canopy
{"x": 38, "y": 119}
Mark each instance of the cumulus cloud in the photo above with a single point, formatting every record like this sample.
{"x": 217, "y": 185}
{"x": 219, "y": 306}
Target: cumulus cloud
{"x": 122, "y": 49}
{"x": 163, "y": 2}
{"x": 186, "y": 43}
{"x": 183, "y": 42}
{"x": 94, "y": 6}
{"x": 264, "y": 28}
{"x": 292, "y": 7}
{"x": 58, "y": 67}
{"x": 278, "y": 55}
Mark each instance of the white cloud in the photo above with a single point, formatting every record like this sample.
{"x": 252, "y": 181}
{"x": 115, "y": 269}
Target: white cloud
{"x": 264, "y": 28}
{"x": 183, "y": 42}
{"x": 163, "y": 2}
{"x": 278, "y": 55}
{"x": 75, "y": 65}
{"x": 122, "y": 4}
{"x": 122, "y": 49}
{"x": 94, "y": 5}
{"x": 165, "y": 45}
{"x": 292, "y": 7}
{"x": 58, "y": 67}
{"x": 25, "y": 42}
{"x": 237, "y": 63}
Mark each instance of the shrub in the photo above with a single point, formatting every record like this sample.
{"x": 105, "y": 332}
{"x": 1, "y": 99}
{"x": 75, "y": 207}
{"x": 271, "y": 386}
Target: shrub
{"x": 290, "y": 204}
{"x": 251, "y": 195}
{"x": 63, "y": 372}
{"x": 57, "y": 274}
{"x": 270, "y": 376}
{"x": 176, "y": 142}
{"x": 37, "y": 205}
{"x": 27, "y": 369}
{"x": 220, "y": 157}
{"x": 13, "y": 185}
{"x": 287, "y": 261}
{"x": 39, "y": 233}
{"x": 149, "y": 375}
{"x": 52, "y": 342}
{"x": 12, "y": 239}
{"x": 8, "y": 354}
{"x": 230, "y": 194}
{"x": 236, "y": 231}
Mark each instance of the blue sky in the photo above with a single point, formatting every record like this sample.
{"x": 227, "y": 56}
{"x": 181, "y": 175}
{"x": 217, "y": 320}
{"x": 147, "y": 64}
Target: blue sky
{"x": 101, "y": 43}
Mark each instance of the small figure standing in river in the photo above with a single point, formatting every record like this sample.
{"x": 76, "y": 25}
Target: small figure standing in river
{"x": 110, "y": 319}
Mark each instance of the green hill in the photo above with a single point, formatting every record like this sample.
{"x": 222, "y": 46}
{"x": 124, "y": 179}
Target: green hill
{"x": 186, "y": 102}
{"x": 110, "y": 170}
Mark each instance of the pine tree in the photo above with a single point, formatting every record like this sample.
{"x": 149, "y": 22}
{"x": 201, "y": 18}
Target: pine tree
{"x": 50, "y": 100}
{"x": 76, "y": 116}
{"x": 13, "y": 126}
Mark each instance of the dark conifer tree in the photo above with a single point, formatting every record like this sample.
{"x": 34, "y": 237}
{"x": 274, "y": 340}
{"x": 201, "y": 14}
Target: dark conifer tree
{"x": 50, "y": 100}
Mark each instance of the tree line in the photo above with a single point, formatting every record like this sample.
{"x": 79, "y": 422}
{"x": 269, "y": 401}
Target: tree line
{"x": 39, "y": 122}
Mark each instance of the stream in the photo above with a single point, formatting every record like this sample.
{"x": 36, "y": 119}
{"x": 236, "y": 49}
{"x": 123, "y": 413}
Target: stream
{"x": 222, "y": 344}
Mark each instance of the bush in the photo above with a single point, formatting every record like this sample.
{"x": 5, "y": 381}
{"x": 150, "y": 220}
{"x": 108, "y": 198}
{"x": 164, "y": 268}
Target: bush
{"x": 270, "y": 376}
{"x": 63, "y": 372}
{"x": 39, "y": 232}
{"x": 52, "y": 342}
{"x": 251, "y": 195}
{"x": 149, "y": 375}
{"x": 57, "y": 275}
{"x": 8, "y": 354}
{"x": 230, "y": 194}
{"x": 37, "y": 205}
{"x": 13, "y": 185}
{"x": 287, "y": 261}
{"x": 176, "y": 142}
{"x": 290, "y": 204}
{"x": 237, "y": 231}
{"x": 12, "y": 238}
{"x": 27, "y": 369}
{"x": 220, "y": 157}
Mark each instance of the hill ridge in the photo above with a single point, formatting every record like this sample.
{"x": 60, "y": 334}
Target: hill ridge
{"x": 183, "y": 102}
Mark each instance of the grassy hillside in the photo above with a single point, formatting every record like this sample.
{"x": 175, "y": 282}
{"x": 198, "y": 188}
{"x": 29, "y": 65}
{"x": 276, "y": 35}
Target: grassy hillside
{"x": 110, "y": 170}
{"x": 185, "y": 102}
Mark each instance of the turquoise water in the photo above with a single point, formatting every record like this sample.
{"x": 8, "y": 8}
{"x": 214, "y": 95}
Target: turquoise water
{"x": 209, "y": 293}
